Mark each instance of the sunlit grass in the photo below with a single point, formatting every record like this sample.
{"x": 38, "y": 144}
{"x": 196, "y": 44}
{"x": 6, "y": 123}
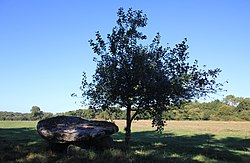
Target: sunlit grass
{"x": 18, "y": 124}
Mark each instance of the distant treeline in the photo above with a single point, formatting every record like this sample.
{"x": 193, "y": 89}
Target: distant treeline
{"x": 230, "y": 108}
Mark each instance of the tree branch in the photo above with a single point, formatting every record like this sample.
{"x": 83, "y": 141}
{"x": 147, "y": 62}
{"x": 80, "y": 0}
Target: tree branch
{"x": 134, "y": 115}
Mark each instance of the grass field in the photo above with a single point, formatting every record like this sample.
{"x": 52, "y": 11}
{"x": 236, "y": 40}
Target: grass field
{"x": 182, "y": 141}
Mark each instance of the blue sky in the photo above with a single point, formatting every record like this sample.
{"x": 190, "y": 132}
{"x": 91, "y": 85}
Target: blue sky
{"x": 44, "y": 44}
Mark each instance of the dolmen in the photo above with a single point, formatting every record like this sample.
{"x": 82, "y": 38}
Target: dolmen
{"x": 66, "y": 130}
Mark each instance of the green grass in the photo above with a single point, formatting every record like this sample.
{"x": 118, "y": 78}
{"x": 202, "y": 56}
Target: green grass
{"x": 18, "y": 124}
{"x": 194, "y": 143}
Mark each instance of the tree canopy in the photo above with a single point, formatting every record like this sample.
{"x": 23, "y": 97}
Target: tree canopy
{"x": 143, "y": 78}
{"x": 36, "y": 112}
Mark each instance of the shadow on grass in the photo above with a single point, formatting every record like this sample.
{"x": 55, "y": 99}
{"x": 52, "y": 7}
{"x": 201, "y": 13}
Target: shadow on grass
{"x": 150, "y": 146}
{"x": 25, "y": 145}
{"x": 19, "y": 142}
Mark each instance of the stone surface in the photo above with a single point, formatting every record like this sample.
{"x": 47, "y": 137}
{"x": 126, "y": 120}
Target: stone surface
{"x": 67, "y": 129}
{"x": 73, "y": 150}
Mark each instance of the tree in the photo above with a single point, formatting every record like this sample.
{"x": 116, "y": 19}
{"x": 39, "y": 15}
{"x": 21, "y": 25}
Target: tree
{"x": 47, "y": 115}
{"x": 88, "y": 113}
{"x": 232, "y": 100}
{"x": 244, "y": 104}
{"x": 36, "y": 113}
{"x": 143, "y": 78}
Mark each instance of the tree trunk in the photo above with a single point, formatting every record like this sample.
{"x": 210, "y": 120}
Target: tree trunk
{"x": 128, "y": 125}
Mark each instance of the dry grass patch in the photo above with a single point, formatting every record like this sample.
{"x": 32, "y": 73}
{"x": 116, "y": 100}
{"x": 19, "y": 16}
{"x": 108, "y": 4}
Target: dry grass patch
{"x": 234, "y": 128}
{"x": 211, "y": 127}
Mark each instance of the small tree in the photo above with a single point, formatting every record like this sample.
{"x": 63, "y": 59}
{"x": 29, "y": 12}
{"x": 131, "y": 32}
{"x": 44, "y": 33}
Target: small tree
{"x": 143, "y": 78}
{"x": 36, "y": 113}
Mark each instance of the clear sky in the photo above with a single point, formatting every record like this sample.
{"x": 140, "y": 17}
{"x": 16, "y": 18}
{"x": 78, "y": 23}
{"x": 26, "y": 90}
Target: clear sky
{"x": 44, "y": 44}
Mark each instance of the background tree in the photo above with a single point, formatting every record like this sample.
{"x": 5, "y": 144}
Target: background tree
{"x": 36, "y": 113}
{"x": 232, "y": 100}
{"x": 47, "y": 115}
{"x": 142, "y": 78}
{"x": 244, "y": 104}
